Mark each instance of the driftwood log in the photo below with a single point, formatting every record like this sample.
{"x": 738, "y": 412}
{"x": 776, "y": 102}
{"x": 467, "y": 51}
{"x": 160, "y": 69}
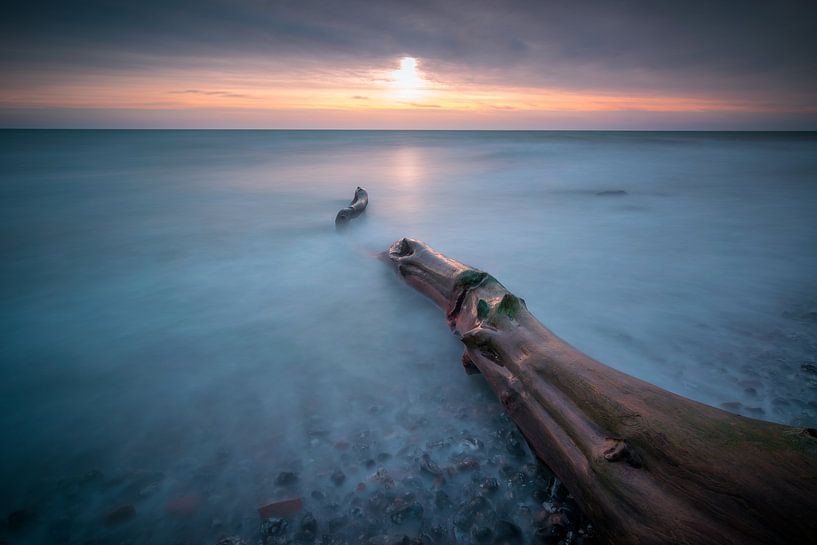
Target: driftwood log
{"x": 355, "y": 208}
{"x": 646, "y": 465}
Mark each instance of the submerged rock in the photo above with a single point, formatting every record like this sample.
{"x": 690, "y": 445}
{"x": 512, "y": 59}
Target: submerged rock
{"x": 274, "y": 531}
{"x": 489, "y": 485}
{"x": 404, "y": 511}
{"x": 611, "y": 193}
{"x": 442, "y": 501}
{"x": 286, "y": 478}
{"x": 477, "y": 512}
{"x": 309, "y": 528}
{"x": 338, "y": 477}
{"x": 514, "y": 445}
{"x": 467, "y": 463}
{"x": 429, "y": 466}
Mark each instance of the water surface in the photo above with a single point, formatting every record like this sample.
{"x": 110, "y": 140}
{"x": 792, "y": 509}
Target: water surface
{"x": 181, "y": 323}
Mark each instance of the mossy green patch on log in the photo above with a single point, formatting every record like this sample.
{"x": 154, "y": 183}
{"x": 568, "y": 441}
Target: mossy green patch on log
{"x": 482, "y": 309}
{"x": 472, "y": 278}
{"x": 509, "y": 306}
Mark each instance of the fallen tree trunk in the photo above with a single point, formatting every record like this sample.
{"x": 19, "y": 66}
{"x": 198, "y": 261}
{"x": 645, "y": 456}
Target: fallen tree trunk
{"x": 355, "y": 208}
{"x": 646, "y": 465}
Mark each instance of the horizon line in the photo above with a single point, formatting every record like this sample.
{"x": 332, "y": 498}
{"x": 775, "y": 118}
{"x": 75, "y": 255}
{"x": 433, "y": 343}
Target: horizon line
{"x": 391, "y": 130}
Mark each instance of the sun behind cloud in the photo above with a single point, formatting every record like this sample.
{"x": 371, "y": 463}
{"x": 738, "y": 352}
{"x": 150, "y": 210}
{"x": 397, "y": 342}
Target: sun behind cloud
{"x": 408, "y": 81}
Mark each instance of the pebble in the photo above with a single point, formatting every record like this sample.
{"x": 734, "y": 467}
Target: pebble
{"x": 309, "y": 527}
{"x": 489, "y": 485}
{"x": 429, "y": 466}
{"x": 336, "y": 523}
{"x": 468, "y": 463}
{"x": 286, "y": 478}
{"x": 513, "y": 444}
{"x": 338, "y": 477}
{"x": 274, "y": 531}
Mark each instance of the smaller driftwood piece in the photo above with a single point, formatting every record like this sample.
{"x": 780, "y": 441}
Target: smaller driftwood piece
{"x": 355, "y": 208}
{"x": 646, "y": 465}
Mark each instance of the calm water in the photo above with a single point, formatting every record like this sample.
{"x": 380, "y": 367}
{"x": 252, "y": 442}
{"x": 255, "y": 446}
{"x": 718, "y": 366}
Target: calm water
{"x": 180, "y": 323}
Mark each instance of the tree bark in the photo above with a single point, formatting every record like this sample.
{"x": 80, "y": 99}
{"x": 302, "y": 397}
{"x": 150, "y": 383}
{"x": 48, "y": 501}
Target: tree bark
{"x": 646, "y": 465}
{"x": 355, "y": 208}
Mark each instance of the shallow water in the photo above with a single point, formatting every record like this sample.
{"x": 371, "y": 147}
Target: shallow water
{"x": 181, "y": 323}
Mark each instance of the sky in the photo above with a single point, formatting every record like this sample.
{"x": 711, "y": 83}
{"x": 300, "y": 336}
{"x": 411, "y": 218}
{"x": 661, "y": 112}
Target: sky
{"x": 446, "y": 64}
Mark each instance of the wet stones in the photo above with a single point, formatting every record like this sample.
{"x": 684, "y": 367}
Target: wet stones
{"x": 514, "y": 445}
{"x": 427, "y": 465}
{"x": 471, "y": 444}
{"x": 274, "y": 531}
{"x": 308, "y": 529}
{"x": 489, "y": 485}
{"x": 336, "y": 523}
{"x": 467, "y": 463}
{"x": 473, "y": 514}
{"x": 384, "y": 477}
{"x": 553, "y": 527}
{"x": 442, "y": 501}
{"x": 377, "y": 502}
{"x": 403, "y": 508}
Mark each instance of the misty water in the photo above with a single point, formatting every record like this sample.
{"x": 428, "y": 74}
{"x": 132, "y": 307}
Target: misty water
{"x": 186, "y": 338}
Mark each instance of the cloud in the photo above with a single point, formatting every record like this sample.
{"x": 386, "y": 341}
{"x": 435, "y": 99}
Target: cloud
{"x": 225, "y": 94}
{"x": 421, "y": 105}
{"x": 755, "y": 51}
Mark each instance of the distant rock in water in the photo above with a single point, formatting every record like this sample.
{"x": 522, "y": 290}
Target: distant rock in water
{"x": 611, "y": 193}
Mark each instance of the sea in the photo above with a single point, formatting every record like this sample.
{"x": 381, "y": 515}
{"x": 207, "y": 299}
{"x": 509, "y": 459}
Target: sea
{"x": 185, "y": 338}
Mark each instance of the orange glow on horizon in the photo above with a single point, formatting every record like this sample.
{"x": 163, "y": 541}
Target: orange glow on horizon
{"x": 250, "y": 87}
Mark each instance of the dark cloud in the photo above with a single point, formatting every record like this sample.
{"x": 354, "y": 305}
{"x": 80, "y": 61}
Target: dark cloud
{"x": 754, "y": 50}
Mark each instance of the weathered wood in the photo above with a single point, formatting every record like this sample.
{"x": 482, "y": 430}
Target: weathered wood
{"x": 355, "y": 208}
{"x": 646, "y": 465}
